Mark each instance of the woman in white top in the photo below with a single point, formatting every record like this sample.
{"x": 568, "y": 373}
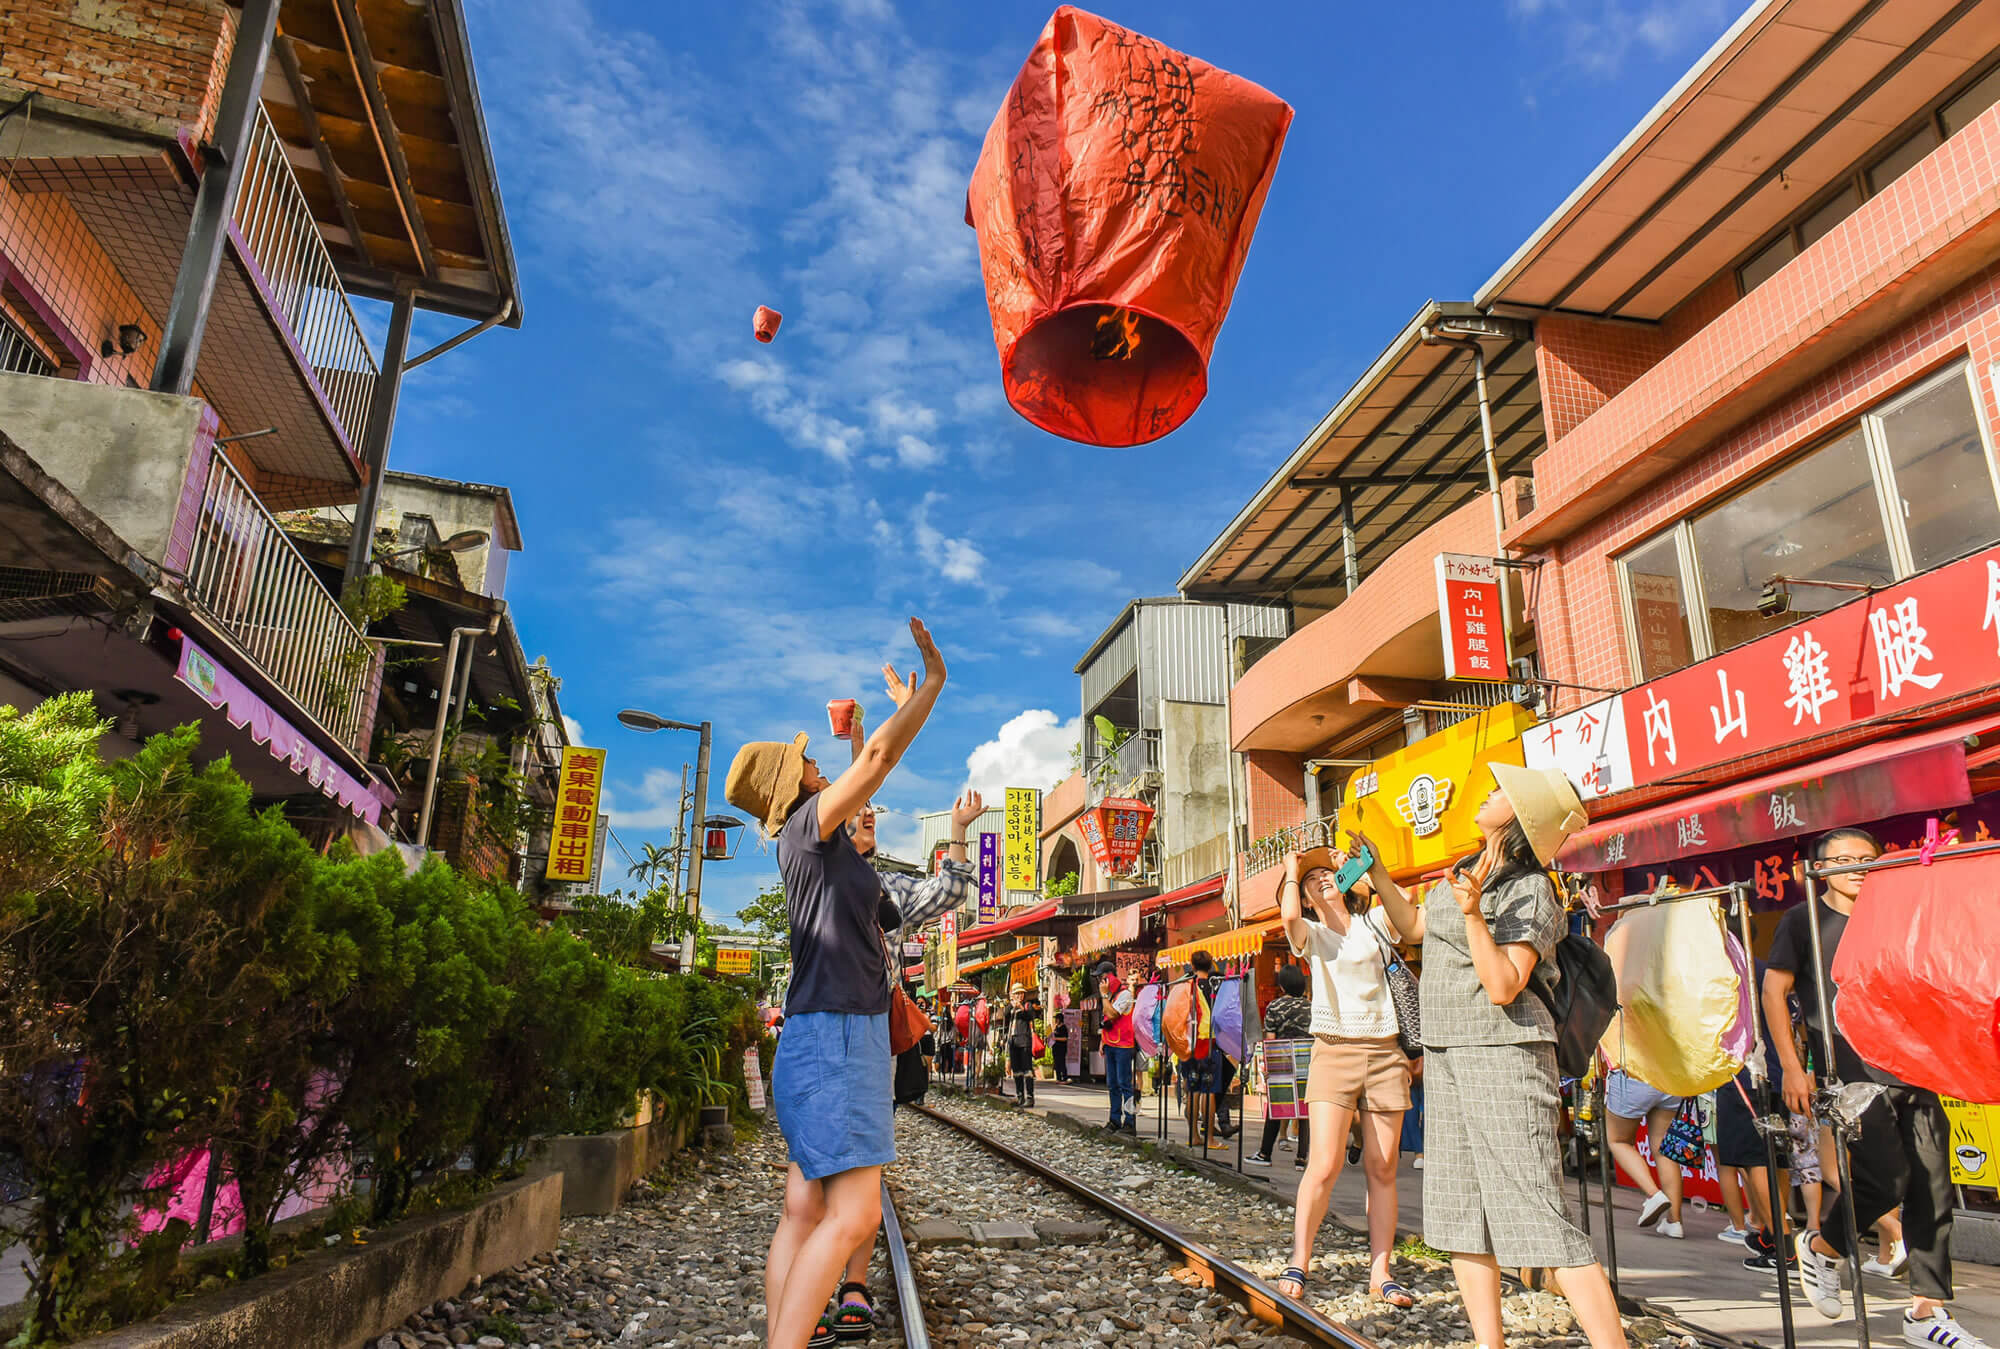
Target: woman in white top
{"x": 1357, "y": 1067}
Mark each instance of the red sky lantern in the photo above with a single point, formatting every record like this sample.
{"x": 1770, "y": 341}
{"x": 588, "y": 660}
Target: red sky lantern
{"x": 765, "y": 323}
{"x": 1115, "y": 198}
{"x": 1114, "y": 830}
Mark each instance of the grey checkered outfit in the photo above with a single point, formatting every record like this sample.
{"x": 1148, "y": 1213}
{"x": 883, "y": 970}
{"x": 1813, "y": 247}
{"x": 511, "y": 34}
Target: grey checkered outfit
{"x": 1492, "y": 1164}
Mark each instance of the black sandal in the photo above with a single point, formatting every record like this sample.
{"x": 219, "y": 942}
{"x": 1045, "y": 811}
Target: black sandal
{"x": 851, "y": 1321}
{"x": 1293, "y": 1275}
{"x": 822, "y": 1336}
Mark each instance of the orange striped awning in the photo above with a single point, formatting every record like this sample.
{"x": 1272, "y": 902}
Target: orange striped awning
{"x": 1228, "y": 945}
{"x": 995, "y": 962}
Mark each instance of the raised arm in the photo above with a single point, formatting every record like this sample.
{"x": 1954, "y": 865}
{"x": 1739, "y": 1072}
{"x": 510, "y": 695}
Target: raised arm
{"x": 885, "y": 749}
{"x": 1406, "y": 915}
{"x": 1291, "y": 907}
{"x": 923, "y": 898}
{"x": 1503, "y": 970}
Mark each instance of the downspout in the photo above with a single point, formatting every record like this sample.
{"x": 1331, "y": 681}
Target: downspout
{"x": 1437, "y": 338}
{"x": 443, "y": 714}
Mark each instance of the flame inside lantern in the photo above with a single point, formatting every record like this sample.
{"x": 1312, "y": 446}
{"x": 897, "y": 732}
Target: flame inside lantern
{"x": 1116, "y": 337}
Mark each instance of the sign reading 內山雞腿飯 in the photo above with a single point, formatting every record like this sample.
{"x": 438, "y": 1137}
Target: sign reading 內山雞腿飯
{"x": 573, "y": 835}
{"x": 1024, "y": 837}
{"x": 1475, "y": 633}
{"x": 1417, "y": 805}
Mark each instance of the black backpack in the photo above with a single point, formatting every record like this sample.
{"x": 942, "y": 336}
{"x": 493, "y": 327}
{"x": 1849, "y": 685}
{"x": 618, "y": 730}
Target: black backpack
{"x": 1583, "y": 1001}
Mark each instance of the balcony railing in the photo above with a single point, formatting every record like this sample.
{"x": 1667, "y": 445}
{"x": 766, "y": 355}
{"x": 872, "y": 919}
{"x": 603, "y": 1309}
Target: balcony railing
{"x": 1268, "y": 852}
{"x": 1133, "y": 761}
{"x": 245, "y": 573}
{"x": 277, "y": 227}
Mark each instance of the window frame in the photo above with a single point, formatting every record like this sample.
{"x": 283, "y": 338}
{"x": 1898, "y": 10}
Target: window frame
{"x": 1888, "y": 501}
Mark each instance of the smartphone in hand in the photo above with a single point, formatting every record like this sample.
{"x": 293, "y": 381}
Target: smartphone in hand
{"x": 1358, "y": 864}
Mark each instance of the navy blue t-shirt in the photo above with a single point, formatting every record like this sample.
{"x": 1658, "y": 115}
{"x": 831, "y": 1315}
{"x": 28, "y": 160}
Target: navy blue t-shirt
{"x": 832, "y": 897}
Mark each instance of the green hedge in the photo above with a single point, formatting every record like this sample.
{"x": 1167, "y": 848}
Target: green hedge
{"x": 179, "y": 971}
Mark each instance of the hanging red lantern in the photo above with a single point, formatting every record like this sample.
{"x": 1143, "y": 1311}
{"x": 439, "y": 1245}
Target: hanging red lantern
{"x": 1115, "y": 198}
{"x": 765, "y": 323}
{"x": 1114, "y": 830}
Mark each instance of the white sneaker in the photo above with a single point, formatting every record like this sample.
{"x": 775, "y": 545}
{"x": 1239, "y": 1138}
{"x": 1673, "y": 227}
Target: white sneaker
{"x": 1733, "y": 1234}
{"x": 1419, "y": 1163}
{"x": 1898, "y": 1257}
{"x": 1939, "y": 1331}
{"x": 1653, "y": 1209}
{"x": 1820, "y": 1275}
{"x": 1668, "y": 1229}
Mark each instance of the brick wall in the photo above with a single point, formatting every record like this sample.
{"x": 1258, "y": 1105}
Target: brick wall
{"x": 160, "y": 61}
{"x": 1581, "y": 628}
{"x": 1275, "y": 783}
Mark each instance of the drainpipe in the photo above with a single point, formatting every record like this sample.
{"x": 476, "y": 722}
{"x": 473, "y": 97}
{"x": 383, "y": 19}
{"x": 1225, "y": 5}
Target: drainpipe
{"x": 1439, "y": 338}
{"x": 445, "y": 686}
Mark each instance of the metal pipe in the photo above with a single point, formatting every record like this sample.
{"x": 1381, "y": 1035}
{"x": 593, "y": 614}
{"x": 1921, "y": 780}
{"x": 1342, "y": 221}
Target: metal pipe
{"x": 1435, "y": 335}
{"x": 1769, "y": 1123}
{"x": 506, "y": 311}
{"x": 1825, "y": 1008}
{"x": 437, "y": 730}
{"x": 694, "y": 862}
{"x": 375, "y": 439}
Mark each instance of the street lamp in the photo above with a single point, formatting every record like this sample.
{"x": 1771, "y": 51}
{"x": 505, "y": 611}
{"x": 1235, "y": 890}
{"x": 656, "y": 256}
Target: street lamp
{"x": 634, "y": 719}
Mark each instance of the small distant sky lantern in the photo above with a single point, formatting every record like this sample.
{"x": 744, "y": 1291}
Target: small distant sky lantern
{"x": 718, "y": 837}
{"x": 765, "y": 323}
{"x": 1114, "y": 199}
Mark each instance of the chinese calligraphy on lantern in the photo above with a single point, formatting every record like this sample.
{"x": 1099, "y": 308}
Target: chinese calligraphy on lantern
{"x": 573, "y": 834}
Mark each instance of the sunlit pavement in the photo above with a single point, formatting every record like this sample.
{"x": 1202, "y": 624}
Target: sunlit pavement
{"x": 1699, "y": 1277}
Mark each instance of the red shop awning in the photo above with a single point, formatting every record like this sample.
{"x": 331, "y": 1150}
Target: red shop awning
{"x": 1013, "y": 922}
{"x": 1925, "y": 771}
{"x": 1188, "y": 894}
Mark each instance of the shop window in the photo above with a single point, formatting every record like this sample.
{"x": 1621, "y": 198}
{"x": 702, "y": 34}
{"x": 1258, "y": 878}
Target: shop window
{"x": 1817, "y": 520}
{"x": 1836, "y": 209}
{"x": 1903, "y": 158}
{"x": 1942, "y": 474}
{"x": 1968, "y": 105}
{"x": 1662, "y": 640}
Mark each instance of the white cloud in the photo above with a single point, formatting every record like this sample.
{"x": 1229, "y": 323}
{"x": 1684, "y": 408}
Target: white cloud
{"x": 954, "y": 559}
{"x": 1599, "y": 36}
{"x": 1031, "y": 750}
{"x": 574, "y": 730}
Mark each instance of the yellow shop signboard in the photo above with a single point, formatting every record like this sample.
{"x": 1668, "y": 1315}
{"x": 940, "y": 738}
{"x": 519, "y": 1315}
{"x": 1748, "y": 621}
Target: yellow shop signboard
{"x": 1417, "y": 804}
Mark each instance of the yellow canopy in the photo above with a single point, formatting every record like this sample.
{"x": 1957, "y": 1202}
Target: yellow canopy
{"x": 1241, "y": 941}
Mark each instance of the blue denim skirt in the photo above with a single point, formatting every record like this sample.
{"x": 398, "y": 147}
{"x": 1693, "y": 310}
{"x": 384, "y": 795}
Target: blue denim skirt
{"x": 833, "y": 1083}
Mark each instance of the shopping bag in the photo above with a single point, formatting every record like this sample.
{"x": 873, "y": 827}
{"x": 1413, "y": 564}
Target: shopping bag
{"x": 1917, "y": 975}
{"x": 1228, "y": 1017}
{"x": 1146, "y": 1020}
{"x": 1679, "y": 995}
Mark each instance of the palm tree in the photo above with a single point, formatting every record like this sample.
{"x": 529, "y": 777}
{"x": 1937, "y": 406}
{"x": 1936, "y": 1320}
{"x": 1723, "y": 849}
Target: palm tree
{"x": 654, "y": 862}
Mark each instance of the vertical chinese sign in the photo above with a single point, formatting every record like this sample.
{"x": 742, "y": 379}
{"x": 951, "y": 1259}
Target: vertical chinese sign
{"x": 573, "y": 837}
{"x": 1024, "y": 836}
{"x": 948, "y": 949}
{"x": 989, "y": 878}
{"x": 1475, "y": 638}
{"x": 1661, "y": 624}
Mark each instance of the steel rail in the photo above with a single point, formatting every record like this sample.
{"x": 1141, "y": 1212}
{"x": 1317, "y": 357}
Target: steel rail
{"x": 1229, "y": 1278}
{"x": 909, "y": 1302}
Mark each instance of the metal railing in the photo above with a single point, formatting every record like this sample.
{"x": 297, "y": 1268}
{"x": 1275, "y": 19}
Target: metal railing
{"x": 277, "y": 227}
{"x": 18, "y": 355}
{"x": 1472, "y": 699}
{"x": 1132, "y": 762}
{"x": 246, "y": 574}
{"x": 1273, "y": 849}
{"x": 1205, "y": 859}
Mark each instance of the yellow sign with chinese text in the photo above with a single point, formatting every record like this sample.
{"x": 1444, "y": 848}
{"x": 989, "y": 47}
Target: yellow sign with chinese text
{"x": 1024, "y": 840}
{"x": 947, "y": 948}
{"x": 1417, "y": 804}
{"x": 735, "y": 962}
{"x": 1975, "y": 1129}
{"x": 573, "y": 834}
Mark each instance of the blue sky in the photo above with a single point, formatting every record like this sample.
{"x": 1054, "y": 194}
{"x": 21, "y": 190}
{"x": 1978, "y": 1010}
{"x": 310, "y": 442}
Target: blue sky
{"x": 718, "y": 529}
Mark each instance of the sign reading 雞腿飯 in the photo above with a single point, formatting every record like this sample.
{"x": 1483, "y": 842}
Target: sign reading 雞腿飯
{"x": 573, "y": 837}
{"x": 1475, "y": 635}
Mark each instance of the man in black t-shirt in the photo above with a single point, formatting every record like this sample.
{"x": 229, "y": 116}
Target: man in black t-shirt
{"x": 1903, "y": 1154}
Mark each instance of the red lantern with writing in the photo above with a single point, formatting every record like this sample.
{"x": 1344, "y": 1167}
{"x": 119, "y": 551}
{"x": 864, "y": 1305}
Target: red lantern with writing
{"x": 1115, "y": 198}
{"x": 1115, "y": 830}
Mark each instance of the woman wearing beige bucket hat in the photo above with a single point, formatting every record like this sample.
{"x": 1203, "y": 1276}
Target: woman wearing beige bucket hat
{"x": 1492, "y": 1170}
{"x": 830, "y": 1082}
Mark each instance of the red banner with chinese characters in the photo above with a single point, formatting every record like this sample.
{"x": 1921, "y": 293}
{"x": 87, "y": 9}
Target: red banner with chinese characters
{"x": 1475, "y": 640}
{"x": 1114, "y": 830}
{"x": 1885, "y": 655}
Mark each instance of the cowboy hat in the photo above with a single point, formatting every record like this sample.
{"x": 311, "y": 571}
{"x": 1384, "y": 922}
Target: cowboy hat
{"x": 1546, "y": 805}
{"x": 764, "y": 779}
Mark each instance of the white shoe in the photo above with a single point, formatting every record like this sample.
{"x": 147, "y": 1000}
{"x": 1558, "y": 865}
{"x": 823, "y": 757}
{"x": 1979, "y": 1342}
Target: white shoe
{"x": 1419, "y": 1163}
{"x": 1820, "y": 1275}
{"x": 1669, "y": 1229}
{"x": 1653, "y": 1209}
{"x": 1939, "y": 1331}
{"x": 1898, "y": 1257}
{"x": 1733, "y": 1234}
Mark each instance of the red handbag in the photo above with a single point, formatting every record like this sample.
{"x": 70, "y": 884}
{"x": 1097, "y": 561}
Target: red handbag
{"x": 907, "y": 1022}
{"x": 1039, "y": 1046}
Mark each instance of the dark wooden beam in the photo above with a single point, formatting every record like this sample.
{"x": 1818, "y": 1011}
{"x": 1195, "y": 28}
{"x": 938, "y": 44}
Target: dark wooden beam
{"x": 288, "y": 60}
{"x": 387, "y": 140}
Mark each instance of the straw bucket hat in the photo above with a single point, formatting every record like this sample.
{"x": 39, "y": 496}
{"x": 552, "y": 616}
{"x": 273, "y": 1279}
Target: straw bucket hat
{"x": 1546, "y": 805}
{"x": 764, "y": 779}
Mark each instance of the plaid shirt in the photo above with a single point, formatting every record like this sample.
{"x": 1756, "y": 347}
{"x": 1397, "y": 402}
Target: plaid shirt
{"x": 924, "y": 897}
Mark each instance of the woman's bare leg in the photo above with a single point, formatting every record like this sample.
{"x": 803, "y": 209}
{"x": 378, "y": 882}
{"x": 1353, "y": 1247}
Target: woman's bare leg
{"x": 1381, "y": 1145}
{"x": 1657, "y": 1123}
{"x": 1479, "y": 1289}
{"x": 1316, "y": 1186}
{"x": 1595, "y": 1306}
{"x": 805, "y": 1206}
{"x": 853, "y": 1211}
{"x": 1622, "y": 1136}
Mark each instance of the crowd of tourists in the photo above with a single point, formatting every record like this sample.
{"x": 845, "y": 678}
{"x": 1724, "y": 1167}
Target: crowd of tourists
{"x": 1481, "y": 1026}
